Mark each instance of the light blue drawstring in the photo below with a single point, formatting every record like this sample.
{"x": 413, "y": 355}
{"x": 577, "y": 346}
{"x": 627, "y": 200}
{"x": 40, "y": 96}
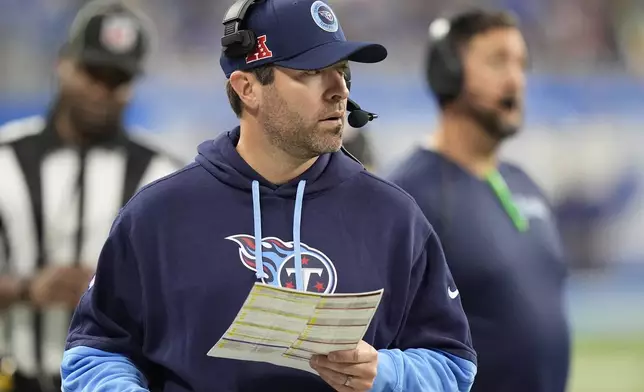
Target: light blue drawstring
{"x": 297, "y": 220}
{"x": 257, "y": 216}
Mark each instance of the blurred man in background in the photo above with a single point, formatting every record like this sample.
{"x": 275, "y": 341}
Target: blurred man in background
{"x": 64, "y": 178}
{"x": 494, "y": 222}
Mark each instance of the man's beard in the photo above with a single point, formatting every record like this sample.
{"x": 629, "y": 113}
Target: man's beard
{"x": 288, "y": 131}
{"x": 490, "y": 120}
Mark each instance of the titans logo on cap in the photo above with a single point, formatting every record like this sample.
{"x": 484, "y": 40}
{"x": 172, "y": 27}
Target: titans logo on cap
{"x": 324, "y": 17}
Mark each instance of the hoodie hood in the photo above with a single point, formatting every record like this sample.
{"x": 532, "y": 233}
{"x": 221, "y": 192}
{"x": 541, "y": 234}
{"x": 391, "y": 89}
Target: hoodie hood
{"x": 220, "y": 158}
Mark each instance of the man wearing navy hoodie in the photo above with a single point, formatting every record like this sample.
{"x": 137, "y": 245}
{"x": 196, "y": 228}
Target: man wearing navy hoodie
{"x": 181, "y": 257}
{"x": 494, "y": 222}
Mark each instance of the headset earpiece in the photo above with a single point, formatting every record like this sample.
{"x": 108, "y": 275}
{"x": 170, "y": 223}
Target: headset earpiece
{"x": 236, "y": 42}
{"x": 444, "y": 67}
{"x": 240, "y": 44}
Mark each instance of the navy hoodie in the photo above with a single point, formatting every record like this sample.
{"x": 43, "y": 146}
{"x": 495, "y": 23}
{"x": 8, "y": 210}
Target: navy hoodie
{"x": 511, "y": 282}
{"x": 183, "y": 255}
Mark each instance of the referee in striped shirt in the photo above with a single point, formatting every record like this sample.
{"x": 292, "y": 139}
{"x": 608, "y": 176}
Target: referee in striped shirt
{"x": 63, "y": 179}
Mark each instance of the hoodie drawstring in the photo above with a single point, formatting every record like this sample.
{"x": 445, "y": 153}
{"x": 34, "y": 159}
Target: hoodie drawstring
{"x": 297, "y": 220}
{"x": 257, "y": 218}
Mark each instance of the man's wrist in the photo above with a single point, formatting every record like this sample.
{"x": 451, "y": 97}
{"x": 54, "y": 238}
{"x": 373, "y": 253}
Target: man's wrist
{"x": 387, "y": 378}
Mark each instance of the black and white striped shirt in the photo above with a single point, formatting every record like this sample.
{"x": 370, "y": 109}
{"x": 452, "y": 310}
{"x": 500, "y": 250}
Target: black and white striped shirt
{"x": 57, "y": 204}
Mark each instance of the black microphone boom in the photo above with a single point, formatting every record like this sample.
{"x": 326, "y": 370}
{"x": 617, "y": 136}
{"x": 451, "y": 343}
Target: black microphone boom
{"x": 358, "y": 118}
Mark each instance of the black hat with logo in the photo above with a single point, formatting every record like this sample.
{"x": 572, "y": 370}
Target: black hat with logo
{"x": 109, "y": 34}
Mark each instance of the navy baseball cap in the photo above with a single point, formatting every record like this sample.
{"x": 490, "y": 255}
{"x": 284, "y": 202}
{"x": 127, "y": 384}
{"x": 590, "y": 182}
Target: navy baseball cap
{"x": 299, "y": 34}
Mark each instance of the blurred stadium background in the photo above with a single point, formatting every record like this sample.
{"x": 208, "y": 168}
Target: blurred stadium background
{"x": 583, "y": 139}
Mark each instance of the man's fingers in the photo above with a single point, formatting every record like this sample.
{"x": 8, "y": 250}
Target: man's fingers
{"x": 362, "y": 370}
{"x": 331, "y": 376}
{"x": 337, "y": 381}
{"x": 338, "y": 387}
{"x": 359, "y": 355}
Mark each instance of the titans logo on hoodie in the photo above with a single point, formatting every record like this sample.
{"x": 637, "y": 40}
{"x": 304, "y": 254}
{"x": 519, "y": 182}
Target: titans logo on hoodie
{"x": 318, "y": 272}
{"x": 184, "y": 253}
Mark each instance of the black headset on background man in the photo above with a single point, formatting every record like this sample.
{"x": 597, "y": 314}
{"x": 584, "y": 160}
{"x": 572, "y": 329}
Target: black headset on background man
{"x": 445, "y": 75}
{"x": 238, "y": 42}
{"x": 444, "y": 70}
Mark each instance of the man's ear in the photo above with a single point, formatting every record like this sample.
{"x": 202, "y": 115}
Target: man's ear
{"x": 247, "y": 88}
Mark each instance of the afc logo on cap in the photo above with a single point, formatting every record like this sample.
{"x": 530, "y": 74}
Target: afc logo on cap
{"x": 261, "y": 51}
{"x": 119, "y": 34}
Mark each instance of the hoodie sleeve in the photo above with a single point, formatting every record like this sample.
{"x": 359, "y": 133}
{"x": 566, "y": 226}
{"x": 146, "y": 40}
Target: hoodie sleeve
{"x": 103, "y": 351}
{"x": 433, "y": 350}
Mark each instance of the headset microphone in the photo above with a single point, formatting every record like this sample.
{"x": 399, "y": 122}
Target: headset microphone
{"x": 358, "y": 118}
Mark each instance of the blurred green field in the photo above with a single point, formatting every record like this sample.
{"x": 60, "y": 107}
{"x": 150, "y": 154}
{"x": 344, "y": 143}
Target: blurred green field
{"x": 608, "y": 364}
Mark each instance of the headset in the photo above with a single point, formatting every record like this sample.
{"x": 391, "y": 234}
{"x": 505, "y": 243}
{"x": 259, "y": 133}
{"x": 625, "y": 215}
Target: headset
{"x": 238, "y": 42}
{"x": 358, "y": 118}
{"x": 444, "y": 67}
{"x": 444, "y": 70}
